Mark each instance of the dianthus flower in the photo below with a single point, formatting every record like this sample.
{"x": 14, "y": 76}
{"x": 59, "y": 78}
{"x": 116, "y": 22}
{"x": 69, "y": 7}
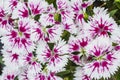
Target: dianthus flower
{"x": 55, "y": 58}
{"x": 105, "y": 60}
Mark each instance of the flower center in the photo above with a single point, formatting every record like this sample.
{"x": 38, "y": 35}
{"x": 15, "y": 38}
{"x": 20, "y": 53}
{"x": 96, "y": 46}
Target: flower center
{"x": 34, "y": 59}
{"x": 44, "y": 30}
{"x": 20, "y": 34}
{"x": 82, "y": 51}
{"x": 100, "y": 57}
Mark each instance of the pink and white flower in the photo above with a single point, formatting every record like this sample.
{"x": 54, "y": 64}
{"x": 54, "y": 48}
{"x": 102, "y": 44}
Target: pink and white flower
{"x": 47, "y": 34}
{"x": 101, "y": 24}
{"x": 5, "y": 21}
{"x": 105, "y": 60}
{"x": 9, "y": 73}
{"x": 32, "y": 64}
{"x": 54, "y": 33}
{"x": 56, "y": 58}
{"x": 47, "y": 76}
{"x": 79, "y": 42}
{"x": 77, "y": 48}
{"x": 23, "y": 74}
{"x": 33, "y": 33}
{"x": 70, "y": 26}
{"x": 37, "y": 32}
{"x": 62, "y": 4}
{"x": 21, "y": 11}
{"x": 10, "y": 5}
{"x": 80, "y": 75}
{"x": 12, "y": 58}
{"x": 64, "y": 10}
{"x": 37, "y": 6}
{"x": 18, "y": 39}
{"x": 79, "y": 9}
{"x": 115, "y": 37}
{"x": 79, "y": 5}
{"x": 47, "y": 19}
{"x": 76, "y": 59}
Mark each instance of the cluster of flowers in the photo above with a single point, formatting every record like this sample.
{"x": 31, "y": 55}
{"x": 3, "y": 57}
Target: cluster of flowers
{"x": 35, "y": 46}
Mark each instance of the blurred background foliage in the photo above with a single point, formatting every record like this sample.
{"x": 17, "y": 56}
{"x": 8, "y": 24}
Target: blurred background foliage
{"x": 113, "y": 7}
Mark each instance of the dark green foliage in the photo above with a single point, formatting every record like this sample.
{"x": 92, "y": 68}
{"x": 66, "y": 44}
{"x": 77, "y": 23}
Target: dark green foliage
{"x": 113, "y": 7}
{"x": 52, "y": 2}
{"x": 65, "y": 35}
{"x": 117, "y": 75}
{"x": 114, "y": 44}
{"x": 16, "y": 78}
{"x": 57, "y": 17}
{"x": 68, "y": 74}
{"x": 37, "y": 17}
{"x": 51, "y": 45}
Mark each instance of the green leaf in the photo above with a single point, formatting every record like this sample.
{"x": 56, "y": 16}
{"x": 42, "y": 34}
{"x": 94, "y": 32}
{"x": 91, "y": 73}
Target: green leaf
{"x": 117, "y": 75}
{"x": 51, "y": 45}
{"x": 86, "y": 16}
{"x": 118, "y": 22}
{"x": 1, "y": 60}
{"x": 114, "y": 44}
{"x": 49, "y": 26}
{"x": 63, "y": 73}
{"x": 25, "y": 0}
{"x": 117, "y": 4}
{"x": 65, "y": 35}
{"x": 55, "y": 5}
{"x": 37, "y": 17}
{"x": 50, "y": 1}
{"x": 102, "y": 79}
{"x": 112, "y": 13}
{"x": 117, "y": 1}
{"x": 76, "y": 52}
{"x": 16, "y": 78}
{"x": 109, "y": 34}
{"x": 66, "y": 78}
{"x": 68, "y": 74}
{"x": 89, "y": 11}
{"x": 57, "y": 17}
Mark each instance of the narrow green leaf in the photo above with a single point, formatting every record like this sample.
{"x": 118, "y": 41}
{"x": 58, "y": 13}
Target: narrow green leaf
{"x": 55, "y": 5}
{"x": 114, "y": 44}
{"x": 1, "y": 60}
{"x": 63, "y": 73}
{"x": 118, "y": 4}
{"x": 112, "y": 13}
{"x": 86, "y": 16}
